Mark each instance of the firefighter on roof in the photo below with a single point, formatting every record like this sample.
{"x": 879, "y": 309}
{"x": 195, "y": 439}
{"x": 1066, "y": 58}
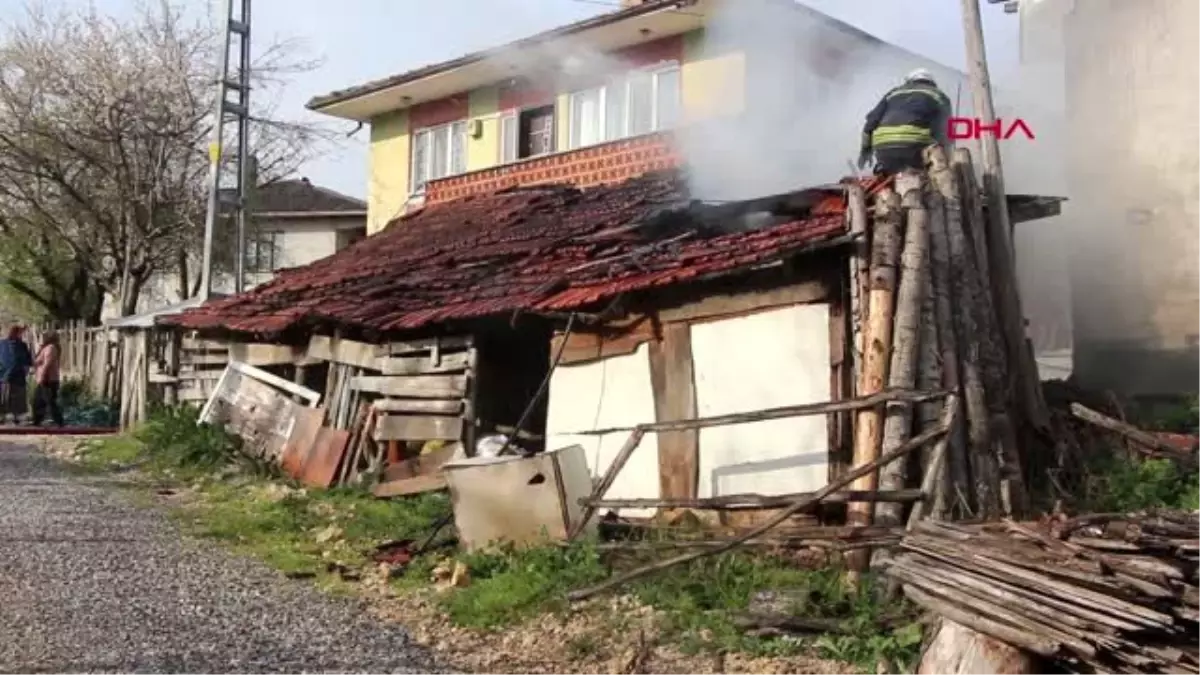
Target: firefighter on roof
{"x": 906, "y": 120}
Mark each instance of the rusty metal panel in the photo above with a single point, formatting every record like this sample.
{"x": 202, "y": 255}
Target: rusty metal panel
{"x": 320, "y": 469}
{"x": 299, "y": 445}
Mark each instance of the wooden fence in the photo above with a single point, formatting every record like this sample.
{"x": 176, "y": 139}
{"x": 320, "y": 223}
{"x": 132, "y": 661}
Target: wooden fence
{"x": 91, "y": 354}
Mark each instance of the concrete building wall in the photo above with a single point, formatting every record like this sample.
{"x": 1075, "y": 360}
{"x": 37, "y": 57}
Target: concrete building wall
{"x": 298, "y": 242}
{"x": 1130, "y": 71}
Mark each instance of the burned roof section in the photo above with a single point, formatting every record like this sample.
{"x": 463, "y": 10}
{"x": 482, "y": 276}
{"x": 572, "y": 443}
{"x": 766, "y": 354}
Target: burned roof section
{"x": 545, "y": 248}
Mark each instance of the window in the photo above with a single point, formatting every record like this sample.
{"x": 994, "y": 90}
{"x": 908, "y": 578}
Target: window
{"x": 527, "y": 133}
{"x": 260, "y": 252}
{"x": 438, "y": 152}
{"x": 636, "y": 103}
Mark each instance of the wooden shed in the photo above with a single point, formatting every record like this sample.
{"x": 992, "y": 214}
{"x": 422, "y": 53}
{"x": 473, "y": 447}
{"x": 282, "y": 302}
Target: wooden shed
{"x": 576, "y": 315}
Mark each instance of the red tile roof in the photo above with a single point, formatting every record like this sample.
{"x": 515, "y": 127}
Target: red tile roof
{"x": 541, "y": 248}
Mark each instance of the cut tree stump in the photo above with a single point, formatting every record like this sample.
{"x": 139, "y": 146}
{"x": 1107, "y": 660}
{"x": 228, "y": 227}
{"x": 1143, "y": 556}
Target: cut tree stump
{"x": 956, "y": 649}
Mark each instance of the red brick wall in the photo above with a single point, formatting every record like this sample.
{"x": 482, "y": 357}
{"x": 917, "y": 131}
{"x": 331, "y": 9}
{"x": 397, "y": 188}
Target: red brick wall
{"x": 525, "y": 95}
{"x": 605, "y": 163}
{"x": 650, "y": 53}
{"x": 441, "y": 111}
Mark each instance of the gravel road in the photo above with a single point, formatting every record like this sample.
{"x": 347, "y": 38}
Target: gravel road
{"x": 90, "y": 582}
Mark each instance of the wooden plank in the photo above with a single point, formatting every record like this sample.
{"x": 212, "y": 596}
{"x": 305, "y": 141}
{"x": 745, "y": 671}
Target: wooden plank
{"x": 278, "y": 382}
{"x": 418, "y": 365}
{"x": 201, "y": 359}
{"x": 413, "y": 386}
{"x": 442, "y": 343}
{"x": 262, "y": 354}
{"x": 418, "y": 428}
{"x": 428, "y": 464}
{"x": 395, "y": 405}
{"x": 202, "y": 344}
{"x": 410, "y": 486}
{"x": 815, "y": 290}
{"x": 339, "y": 350}
{"x": 200, "y": 375}
{"x": 613, "y": 339}
{"x": 675, "y": 399}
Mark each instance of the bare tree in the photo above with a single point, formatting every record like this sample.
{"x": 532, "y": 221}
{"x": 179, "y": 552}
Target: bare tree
{"x": 104, "y": 133}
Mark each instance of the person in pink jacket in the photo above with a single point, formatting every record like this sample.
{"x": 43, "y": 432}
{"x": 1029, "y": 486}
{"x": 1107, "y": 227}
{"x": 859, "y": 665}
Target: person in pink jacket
{"x": 46, "y": 378}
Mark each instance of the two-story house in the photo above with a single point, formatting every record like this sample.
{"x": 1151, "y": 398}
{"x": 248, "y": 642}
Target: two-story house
{"x": 764, "y": 95}
{"x": 293, "y": 223}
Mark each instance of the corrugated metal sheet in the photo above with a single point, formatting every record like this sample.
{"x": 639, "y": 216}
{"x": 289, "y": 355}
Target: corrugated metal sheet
{"x": 521, "y": 249}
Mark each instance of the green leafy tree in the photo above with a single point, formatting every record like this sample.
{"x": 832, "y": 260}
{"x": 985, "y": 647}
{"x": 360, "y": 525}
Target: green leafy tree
{"x": 104, "y": 132}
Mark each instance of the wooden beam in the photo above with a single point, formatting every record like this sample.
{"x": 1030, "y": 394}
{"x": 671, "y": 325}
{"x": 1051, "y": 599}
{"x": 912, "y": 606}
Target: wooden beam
{"x": 204, "y": 359}
{"x": 410, "y": 486}
{"x": 310, "y": 396}
{"x": 722, "y": 305}
{"x": 675, "y": 399}
{"x": 427, "y": 345}
{"x": 349, "y": 352}
{"x": 398, "y": 405}
{"x": 419, "y": 365}
{"x": 417, "y": 428}
{"x": 877, "y": 343}
{"x": 199, "y": 344}
{"x": 413, "y": 386}
{"x": 263, "y": 354}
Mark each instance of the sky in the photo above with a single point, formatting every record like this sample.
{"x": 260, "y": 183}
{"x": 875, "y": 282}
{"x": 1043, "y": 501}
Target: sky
{"x": 361, "y": 40}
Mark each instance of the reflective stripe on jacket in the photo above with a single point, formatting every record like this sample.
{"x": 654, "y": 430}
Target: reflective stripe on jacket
{"x": 915, "y": 113}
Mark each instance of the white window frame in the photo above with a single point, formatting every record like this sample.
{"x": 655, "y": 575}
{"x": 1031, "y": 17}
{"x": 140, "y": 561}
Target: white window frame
{"x": 623, "y": 80}
{"x": 513, "y": 116}
{"x": 449, "y": 169}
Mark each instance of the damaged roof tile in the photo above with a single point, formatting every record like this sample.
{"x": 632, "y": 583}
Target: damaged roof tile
{"x": 545, "y": 248}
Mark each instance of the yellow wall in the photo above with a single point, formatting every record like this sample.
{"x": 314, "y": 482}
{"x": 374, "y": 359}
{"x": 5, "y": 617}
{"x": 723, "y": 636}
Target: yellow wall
{"x": 482, "y": 152}
{"x": 387, "y": 188}
{"x": 713, "y": 81}
{"x": 713, "y": 84}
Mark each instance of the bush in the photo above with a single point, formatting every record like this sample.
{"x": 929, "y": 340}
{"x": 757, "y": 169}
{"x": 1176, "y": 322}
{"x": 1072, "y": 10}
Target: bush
{"x": 174, "y": 439}
{"x": 1125, "y": 484}
{"x": 82, "y": 409}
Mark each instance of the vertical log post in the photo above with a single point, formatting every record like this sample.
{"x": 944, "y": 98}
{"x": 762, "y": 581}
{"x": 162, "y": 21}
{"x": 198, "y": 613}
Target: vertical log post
{"x": 877, "y": 346}
{"x": 929, "y": 378}
{"x": 984, "y": 466}
{"x": 856, "y": 212}
{"x": 993, "y": 363}
{"x": 939, "y": 247}
{"x": 906, "y": 337}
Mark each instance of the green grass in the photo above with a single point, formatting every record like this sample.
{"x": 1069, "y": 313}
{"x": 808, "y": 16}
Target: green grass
{"x": 699, "y": 601}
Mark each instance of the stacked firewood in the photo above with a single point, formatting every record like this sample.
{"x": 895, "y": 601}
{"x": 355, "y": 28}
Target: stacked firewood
{"x": 1098, "y": 593}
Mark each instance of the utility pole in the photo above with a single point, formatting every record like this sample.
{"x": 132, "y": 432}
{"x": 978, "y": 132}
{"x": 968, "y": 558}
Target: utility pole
{"x": 1001, "y": 253}
{"x": 239, "y": 111}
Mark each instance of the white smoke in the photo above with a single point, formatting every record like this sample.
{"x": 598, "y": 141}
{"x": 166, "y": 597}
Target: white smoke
{"x": 810, "y": 82}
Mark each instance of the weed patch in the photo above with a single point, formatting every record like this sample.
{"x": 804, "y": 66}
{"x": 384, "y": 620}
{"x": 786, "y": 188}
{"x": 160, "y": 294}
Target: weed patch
{"x": 698, "y": 603}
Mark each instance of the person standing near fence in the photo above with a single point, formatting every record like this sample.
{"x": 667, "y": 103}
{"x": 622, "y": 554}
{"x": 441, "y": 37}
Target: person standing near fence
{"x": 47, "y": 379}
{"x": 15, "y": 361}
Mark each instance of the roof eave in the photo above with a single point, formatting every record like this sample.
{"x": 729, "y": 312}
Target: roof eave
{"x": 334, "y": 103}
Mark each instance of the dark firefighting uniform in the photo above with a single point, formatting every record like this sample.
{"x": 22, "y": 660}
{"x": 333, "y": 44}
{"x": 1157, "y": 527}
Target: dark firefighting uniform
{"x": 906, "y": 120}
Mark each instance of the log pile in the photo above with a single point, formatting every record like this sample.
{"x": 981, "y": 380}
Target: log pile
{"x": 928, "y": 315}
{"x": 1097, "y": 593}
